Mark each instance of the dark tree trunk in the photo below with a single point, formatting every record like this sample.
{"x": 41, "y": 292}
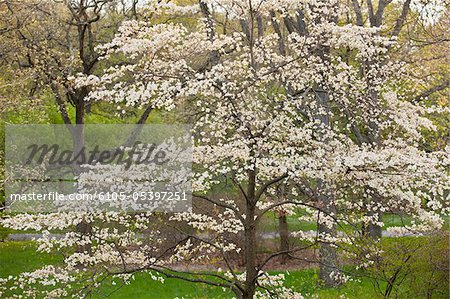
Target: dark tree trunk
{"x": 78, "y": 132}
{"x": 84, "y": 228}
{"x": 328, "y": 254}
{"x": 374, "y": 231}
{"x": 284, "y": 236}
{"x": 250, "y": 255}
{"x": 250, "y": 238}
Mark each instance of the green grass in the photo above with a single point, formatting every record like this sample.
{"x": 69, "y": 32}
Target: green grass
{"x": 270, "y": 223}
{"x": 17, "y": 257}
{"x": 302, "y": 281}
{"x": 144, "y": 287}
{"x": 305, "y": 283}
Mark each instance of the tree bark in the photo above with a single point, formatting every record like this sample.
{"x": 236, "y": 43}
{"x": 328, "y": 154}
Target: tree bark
{"x": 328, "y": 253}
{"x": 250, "y": 238}
{"x": 373, "y": 230}
{"x": 84, "y": 228}
{"x": 250, "y": 253}
{"x": 284, "y": 236}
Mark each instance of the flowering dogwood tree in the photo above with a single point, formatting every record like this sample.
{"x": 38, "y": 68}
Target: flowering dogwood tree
{"x": 269, "y": 105}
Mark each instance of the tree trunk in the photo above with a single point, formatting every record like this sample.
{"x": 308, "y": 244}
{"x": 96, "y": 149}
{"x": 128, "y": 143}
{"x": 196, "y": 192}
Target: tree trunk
{"x": 374, "y": 231}
{"x": 250, "y": 255}
{"x": 250, "y": 238}
{"x": 84, "y": 228}
{"x": 284, "y": 236}
{"x": 328, "y": 255}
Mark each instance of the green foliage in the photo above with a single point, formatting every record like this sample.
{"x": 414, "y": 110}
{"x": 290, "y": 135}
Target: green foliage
{"x": 413, "y": 267}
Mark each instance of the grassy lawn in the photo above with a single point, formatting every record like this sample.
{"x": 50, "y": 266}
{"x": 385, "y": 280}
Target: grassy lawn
{"x": 302, "y": 281}
{"x": 16, "y": 257}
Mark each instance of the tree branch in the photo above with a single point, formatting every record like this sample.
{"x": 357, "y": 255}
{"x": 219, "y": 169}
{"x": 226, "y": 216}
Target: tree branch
{"x": 432, "y": 90}
{"x": 402, "y": 18}
{"x": 263, "y": 188}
